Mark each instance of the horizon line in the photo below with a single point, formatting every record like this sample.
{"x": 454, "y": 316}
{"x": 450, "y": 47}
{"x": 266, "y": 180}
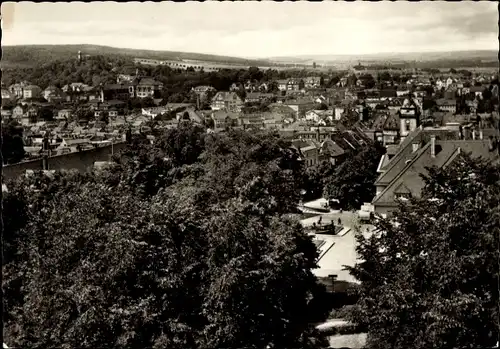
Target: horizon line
{"x": 303, "y": 56}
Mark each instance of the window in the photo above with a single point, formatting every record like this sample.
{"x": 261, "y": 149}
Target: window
{"x": 403, "y": 196}
{"x": 407, "y": 125}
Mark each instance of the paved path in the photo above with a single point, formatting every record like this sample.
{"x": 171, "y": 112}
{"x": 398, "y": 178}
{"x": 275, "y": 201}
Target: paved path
{"x": 343, "y": 251}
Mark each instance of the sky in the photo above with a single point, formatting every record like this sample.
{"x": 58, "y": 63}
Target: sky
{"x": 258, "y": 29}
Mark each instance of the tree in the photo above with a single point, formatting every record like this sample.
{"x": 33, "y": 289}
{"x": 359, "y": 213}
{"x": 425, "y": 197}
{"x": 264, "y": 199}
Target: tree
{"x": 352, "y": 182}
{"x": 315, "y": 179}
{"x": 385, "y": 76}
{"x": 367, "y": 80}
{"x": 184, "y": 144}
{"x": 103, "y": 117}
{"x": 12, "y": 143}
{"x": 322, "y": 106}
{"x": 429, "y": 275}
{"x": 428, "y": 103}
{"x": 333, "y": 81}
{"x": 204, "y": 260}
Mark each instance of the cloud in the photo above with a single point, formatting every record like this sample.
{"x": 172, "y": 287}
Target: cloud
{"x": 261, "y": 28}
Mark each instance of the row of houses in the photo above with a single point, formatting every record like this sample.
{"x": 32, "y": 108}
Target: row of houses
{"x": 400, "y": 169}
{"x": 125, "y": 88}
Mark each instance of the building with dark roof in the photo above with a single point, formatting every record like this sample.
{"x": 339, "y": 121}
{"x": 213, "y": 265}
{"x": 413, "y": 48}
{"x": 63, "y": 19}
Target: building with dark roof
{"x": 401, "y": 170}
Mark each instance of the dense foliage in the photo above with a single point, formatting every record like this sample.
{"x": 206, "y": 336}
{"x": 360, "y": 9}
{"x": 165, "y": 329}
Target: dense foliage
{"x": 12, "y": 143}
{"x": 180, "y": 244}
{"x": 430, "y": 275}
{"x": 352, "y": 182}
{"x": 177, "y": 83}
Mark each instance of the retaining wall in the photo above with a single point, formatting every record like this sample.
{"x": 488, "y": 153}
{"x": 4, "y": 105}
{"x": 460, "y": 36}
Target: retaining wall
{"x": 82, "y": 161}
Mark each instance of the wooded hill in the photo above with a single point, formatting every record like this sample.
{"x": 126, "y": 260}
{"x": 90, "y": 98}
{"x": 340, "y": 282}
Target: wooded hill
{"x": 33, "y": 55}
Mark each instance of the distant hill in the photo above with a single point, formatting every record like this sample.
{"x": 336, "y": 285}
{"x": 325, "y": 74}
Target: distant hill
{"x": 408, "y": 56}
{"x": 35, "y": 55}
{"x": 420, "y": 59}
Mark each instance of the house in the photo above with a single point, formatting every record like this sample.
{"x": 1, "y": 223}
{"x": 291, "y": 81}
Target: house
{"x": 18, "y": 89}
{"x": 283, "y": 110}
{"x": 319, "y": 115}
{"x": 322, "y": 100}
{"x": 112, "y": 107}
{"x": 114, "y": 91}
{"x": 33, "y": 151}
{"x": 75, "y": 144}
{"x": 339, "y": 110}
{"x": 313, "y": 115}
{"x": 409, "y": 117}
{"x": 251, "y": 86}
{"x": 386, "y": 128}
{"x": 228, "y": 101}
{"x": 331, "y": 151}
{"x": 113, "y": 112}
{"x": 309, "y": 151}
{"x": 282, "y": 85}
{"x": 32, "y": 91}
{"x": 440, "y": 84}
{"x": 450, "y": 81}
{"x": 146, "y": 87}
{"x": 477, "y": 91}
{"x": 53, "y": 94}
{"x": 300, "y": 106}
{"x": 6, "y": 113}
{"x": 223, "y": 119}
{"x": 124, "y": 78}
{"x": 394, "y": 104}
{"x": 75, "y": 87}
{"x": 312, "y": 82}
{"x": 402, "y": 91}
{"x": 252, "y": 120}
{"x": 257, "y": 97}
{"x": 64, "y": 114}
{"x": 19, "y": 111}
{"x": 190, "y": 114}
{"x": 203, "y": 89}
{"x": 7, "y": 95}
{"x": 447, "y": 105}
{"x": 78, "y": 91}
{"x": 294, "y": 85}
{"x": 400, "y": 175}
{"x": 264, "y": 87}
{"x": 203, "y": 92}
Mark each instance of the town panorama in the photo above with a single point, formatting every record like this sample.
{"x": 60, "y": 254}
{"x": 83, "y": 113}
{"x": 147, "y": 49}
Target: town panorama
{"x": 258, "y": 175}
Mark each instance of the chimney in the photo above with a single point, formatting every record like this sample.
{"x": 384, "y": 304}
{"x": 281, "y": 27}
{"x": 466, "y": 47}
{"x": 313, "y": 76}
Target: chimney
{"x": 481, "y": 134}
{"x": 433, "y": 146}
